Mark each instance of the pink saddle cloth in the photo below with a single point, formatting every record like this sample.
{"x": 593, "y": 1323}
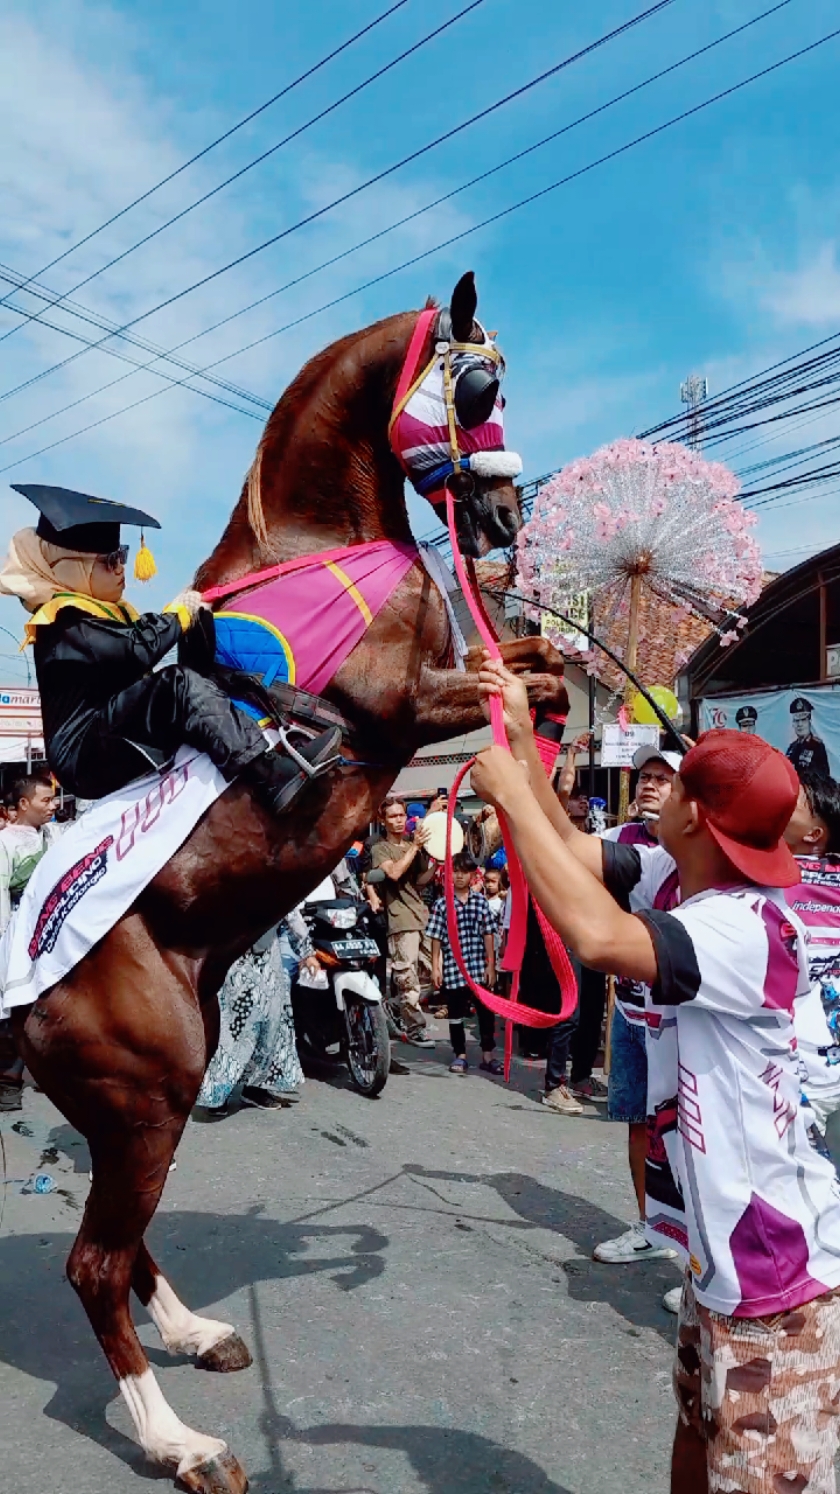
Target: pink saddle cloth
{"x": 301, "y": 625}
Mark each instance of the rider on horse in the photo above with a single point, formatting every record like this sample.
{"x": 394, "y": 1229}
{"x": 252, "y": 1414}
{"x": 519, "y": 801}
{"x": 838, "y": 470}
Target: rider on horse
{"x": 104, "y": 710}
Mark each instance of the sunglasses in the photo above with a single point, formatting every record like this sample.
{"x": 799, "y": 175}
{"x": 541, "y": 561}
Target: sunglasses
{"x": 116, "y": 559}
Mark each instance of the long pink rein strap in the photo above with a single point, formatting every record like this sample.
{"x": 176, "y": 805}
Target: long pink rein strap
{"x": 511, "y": 1009}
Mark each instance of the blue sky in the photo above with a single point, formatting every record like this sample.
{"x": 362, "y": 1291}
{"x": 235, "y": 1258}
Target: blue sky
{"x": 712, "y": 247}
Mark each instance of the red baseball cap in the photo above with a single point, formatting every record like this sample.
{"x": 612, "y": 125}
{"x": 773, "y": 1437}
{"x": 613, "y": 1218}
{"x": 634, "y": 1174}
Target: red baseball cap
{"x": 747, "y": 791}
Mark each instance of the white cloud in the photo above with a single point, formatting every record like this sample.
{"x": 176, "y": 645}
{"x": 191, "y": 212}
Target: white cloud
{"x": 810, "y": 295}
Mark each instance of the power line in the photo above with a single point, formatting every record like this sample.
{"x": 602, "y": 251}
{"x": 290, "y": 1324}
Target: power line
{"x": 797, "y": 502}
{"x": 371, "y": 181}
{"x": 137, "y": 367}
{"x": 788, "y": 459}
{"x": 735, "y": 400}
{"x": 765, "y": 440}
{"x": 742, "y": 383}
{"x": 104, "y": 323}
{"x": 295, "y": 83}
{"x": 474, "y": 228}
{"x": 249, "y": 166}
{"x": 390, "y": 228}
{"x": 813, "y": 477}
{"x": 113, "y": 327}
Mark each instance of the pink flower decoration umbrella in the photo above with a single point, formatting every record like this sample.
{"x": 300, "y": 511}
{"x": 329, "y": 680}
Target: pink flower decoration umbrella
{"x": 636, "y": 516}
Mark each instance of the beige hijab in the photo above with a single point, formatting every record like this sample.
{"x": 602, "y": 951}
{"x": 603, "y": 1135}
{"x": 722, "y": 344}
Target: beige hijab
{"x": 34, "y": 570}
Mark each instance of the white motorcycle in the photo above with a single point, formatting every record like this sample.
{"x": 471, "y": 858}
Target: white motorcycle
{"x": 339, "y": 1016}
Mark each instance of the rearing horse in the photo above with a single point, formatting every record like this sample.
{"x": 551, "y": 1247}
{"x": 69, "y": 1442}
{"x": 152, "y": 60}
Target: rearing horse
{"x": 121, "y": 1044}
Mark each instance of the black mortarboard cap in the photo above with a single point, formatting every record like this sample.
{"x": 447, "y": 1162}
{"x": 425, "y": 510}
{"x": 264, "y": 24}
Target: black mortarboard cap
{"x": 78, "y": 521}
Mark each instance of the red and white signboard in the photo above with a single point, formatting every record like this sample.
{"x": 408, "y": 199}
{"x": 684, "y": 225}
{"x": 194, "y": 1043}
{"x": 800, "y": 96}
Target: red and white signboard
{"x": 21, "y": 727}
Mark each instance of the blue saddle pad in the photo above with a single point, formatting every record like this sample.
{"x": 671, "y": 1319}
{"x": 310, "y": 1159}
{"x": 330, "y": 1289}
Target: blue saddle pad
{"x": 255, "y": 646}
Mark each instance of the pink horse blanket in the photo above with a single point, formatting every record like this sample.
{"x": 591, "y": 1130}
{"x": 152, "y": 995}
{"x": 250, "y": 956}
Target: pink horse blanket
{"x": 300, "y": 625}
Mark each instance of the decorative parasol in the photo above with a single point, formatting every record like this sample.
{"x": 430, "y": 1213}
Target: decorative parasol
{"x": 636, "y": 517}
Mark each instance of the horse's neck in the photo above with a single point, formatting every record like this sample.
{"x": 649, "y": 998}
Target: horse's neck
{"x": 324, "y": 475}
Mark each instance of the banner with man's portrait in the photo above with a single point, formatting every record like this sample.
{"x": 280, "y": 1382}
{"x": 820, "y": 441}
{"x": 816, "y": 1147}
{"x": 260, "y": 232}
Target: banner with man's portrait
{"x": 803, "y": 721}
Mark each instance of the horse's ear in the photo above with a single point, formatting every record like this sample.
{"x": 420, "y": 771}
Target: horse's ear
{"x": 462, "y": 307}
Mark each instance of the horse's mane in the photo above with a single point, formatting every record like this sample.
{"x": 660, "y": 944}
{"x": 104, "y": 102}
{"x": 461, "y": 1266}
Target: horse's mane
{"x": 282, "y": 417}
{"x": 253, "y": 494}
{"x": 286, "y": 412}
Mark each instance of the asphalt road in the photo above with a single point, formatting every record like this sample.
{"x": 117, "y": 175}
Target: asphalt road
{"x": 413, "y": 1275}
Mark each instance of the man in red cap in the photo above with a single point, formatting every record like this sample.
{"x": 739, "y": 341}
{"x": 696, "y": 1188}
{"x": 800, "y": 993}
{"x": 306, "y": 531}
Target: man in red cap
{"x": 735, "y": 1183}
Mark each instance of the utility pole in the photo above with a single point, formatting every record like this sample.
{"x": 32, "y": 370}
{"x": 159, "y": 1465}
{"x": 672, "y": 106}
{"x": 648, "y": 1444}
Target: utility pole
{"x": 693, "y": 391}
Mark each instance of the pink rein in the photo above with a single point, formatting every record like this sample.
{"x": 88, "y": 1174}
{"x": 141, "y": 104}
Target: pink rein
{"x": 512, "y": 1010}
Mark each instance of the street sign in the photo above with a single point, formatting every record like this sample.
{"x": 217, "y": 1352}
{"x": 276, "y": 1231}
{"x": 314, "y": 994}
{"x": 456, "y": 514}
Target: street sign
{"x": 565, "y": 634}
{"x": 618, "y": 746}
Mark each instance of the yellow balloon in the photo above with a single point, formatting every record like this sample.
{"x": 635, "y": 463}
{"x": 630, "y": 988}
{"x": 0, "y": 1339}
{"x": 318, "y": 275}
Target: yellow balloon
{"x": 665, "y": 699}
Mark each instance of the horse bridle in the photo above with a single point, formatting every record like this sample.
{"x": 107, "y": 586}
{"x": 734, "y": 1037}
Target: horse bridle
{"x": 470, "y": 392}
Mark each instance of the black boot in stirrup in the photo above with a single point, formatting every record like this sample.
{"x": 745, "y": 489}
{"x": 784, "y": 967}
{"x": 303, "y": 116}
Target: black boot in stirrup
{"x": 278, "y": 775}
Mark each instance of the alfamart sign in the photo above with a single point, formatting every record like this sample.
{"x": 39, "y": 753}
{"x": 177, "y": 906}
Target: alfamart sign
{"x": 803, "y": 721}
{"x": 21, "y": 727}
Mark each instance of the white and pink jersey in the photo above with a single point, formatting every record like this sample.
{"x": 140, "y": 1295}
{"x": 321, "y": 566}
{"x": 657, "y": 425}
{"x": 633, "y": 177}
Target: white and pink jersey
{"x": 816, "y": 901}
{"x": 754, "y": 1206}
{"x": 634, "y": 833}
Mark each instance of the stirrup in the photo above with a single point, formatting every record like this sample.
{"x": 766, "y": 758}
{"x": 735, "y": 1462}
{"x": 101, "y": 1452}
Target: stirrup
{"x": 310, "y": 770}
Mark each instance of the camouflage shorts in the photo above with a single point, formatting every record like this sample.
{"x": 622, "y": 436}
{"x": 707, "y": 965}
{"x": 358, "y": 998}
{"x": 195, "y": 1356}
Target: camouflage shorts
{"x": 764, "y": 1394}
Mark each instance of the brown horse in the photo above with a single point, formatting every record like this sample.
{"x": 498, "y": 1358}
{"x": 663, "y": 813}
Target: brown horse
{"x": 121, "y": 1044}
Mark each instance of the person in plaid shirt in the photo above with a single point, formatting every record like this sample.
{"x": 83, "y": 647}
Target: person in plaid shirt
{"x": 475, "y": 930}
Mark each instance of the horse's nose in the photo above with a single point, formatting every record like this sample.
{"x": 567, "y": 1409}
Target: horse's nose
{"x": 508, "y": 519}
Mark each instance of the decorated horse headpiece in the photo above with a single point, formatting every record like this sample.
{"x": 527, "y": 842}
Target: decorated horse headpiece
{"x": 448, "y": 416}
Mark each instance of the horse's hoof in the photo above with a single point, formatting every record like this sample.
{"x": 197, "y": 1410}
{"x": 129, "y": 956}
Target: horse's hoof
{"x": 219, "y": 1475}
{"x": 230, "y": 1354}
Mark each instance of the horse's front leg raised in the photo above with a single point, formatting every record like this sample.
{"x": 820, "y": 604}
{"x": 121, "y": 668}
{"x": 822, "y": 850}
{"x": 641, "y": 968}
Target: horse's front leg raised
{"x": 215, "y": 1345}
{"x": 447, "y": 702}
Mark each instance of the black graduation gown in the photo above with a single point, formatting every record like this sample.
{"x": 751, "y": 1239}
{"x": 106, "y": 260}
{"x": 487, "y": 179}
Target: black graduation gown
{"x": 99, "y": 697}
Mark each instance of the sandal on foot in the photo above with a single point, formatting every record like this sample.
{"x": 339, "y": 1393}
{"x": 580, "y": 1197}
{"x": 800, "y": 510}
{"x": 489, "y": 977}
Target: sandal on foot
{"x": 492, "y": 1066}
{"x": 458, "y": 1066}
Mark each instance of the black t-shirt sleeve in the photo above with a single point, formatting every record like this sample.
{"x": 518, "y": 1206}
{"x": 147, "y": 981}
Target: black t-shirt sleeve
{"x": 622, "y": 870}
{"x": 679, "y": 973}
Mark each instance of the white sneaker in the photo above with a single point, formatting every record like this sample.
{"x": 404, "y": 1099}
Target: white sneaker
{"x": 632, "y": 1246}
{"x": 561, "y": 1101}
{"x": 671, "y": 1301}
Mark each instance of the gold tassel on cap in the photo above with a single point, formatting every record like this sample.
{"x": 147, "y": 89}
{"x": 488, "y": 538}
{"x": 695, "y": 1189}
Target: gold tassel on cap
{"x": 144, "y": 564}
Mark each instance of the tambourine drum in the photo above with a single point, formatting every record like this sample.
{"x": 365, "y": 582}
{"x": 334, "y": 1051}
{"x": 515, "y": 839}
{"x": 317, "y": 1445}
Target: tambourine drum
{"x": 435, "y": 843}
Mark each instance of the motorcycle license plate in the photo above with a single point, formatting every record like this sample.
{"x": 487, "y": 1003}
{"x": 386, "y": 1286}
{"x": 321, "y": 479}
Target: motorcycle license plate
{"x": 356, "y": 949}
